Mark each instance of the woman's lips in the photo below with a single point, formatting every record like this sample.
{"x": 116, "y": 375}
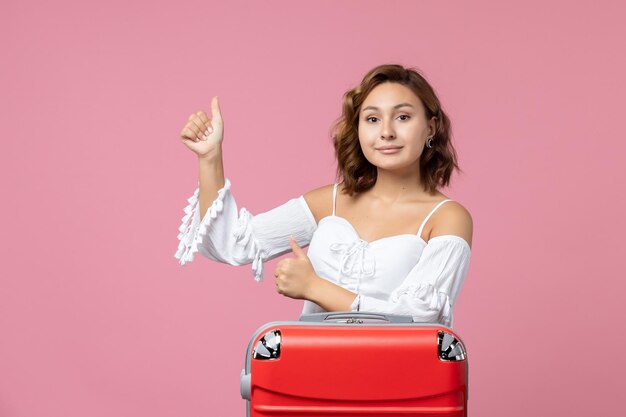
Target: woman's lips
{"x": 389, "y": 150}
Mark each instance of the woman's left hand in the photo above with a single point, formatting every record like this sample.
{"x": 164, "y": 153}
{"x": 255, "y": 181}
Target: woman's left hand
{"x": 295, "y": 276}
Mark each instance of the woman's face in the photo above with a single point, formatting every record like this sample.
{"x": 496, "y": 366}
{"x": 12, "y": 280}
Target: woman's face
{"x": 392, "y": 116}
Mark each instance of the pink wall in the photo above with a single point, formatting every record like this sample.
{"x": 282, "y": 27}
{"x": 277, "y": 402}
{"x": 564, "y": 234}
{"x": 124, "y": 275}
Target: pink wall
{"x": 97, "y": 318}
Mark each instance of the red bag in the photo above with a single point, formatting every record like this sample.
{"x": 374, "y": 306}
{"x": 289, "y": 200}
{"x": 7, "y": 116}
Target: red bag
{"x": 355, "y": 363}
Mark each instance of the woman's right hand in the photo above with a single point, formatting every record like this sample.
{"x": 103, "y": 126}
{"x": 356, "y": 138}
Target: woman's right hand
{"x": 203, "y": 135}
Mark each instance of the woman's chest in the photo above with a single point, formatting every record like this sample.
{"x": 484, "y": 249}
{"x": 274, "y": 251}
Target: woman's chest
{"x": 374, "y": 223}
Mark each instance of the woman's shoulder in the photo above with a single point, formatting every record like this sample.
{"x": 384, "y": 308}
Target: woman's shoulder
{"x": 452, "y": 218}
{"x": 320, "y": 201}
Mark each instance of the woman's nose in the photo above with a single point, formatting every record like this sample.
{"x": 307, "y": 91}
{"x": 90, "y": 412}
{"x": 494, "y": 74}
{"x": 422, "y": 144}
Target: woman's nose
{"x": 387, "y": 131}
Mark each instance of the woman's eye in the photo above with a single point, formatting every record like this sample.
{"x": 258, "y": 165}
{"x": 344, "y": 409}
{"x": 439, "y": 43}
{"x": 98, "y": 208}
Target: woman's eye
{"x": 405, "y": 115}
{"x": 371, "y": 117}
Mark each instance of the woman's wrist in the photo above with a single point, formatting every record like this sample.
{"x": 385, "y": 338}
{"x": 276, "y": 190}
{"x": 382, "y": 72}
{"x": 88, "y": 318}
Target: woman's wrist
{"x": 312, "y": 290}
{"x": 211, "y": 156}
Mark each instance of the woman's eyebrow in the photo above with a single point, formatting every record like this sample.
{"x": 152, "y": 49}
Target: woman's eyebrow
{"x": 397, "y": 106}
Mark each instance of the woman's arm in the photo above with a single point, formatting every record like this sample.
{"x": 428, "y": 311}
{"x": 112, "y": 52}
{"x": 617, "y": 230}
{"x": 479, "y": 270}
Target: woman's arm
{"x": 330, "y": 296}
{"x": 211, "y": 177}
{"x": 214, "y": 226}
{"x": 204, "y": 137}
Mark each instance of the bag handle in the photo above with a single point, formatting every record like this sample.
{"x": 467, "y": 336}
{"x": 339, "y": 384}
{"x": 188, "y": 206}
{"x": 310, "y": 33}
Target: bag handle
{"x": 355, "y": 317}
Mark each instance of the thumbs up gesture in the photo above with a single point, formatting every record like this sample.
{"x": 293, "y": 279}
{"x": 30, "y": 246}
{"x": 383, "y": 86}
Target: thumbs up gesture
{"x": 295, "y": 276}
{"x": 201, "y": 134}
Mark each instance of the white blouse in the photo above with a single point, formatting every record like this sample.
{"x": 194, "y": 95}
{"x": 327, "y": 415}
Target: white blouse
{"x": 400, "y": 274}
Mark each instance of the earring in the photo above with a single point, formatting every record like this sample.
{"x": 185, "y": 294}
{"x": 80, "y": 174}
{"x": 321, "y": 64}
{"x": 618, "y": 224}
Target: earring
{"x": 429, "y": 143}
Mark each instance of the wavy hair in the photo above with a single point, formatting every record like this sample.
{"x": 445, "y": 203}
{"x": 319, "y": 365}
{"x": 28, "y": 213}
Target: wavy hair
{"x": 358, "y": 174}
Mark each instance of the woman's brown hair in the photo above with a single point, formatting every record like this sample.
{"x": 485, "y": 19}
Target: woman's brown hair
{"x": 358, "y": 174}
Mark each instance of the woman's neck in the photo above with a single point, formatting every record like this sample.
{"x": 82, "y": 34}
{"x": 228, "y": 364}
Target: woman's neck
{"x": 398, "y": 186}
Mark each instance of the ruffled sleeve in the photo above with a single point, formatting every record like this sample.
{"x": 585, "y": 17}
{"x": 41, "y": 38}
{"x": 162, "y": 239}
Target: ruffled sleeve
{"x": 237, "y": 237}
{"x": 431, "y": 288}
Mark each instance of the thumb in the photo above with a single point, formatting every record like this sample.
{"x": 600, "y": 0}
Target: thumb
{"x": 297, "y": 250}
{"x": 215, "y": 110}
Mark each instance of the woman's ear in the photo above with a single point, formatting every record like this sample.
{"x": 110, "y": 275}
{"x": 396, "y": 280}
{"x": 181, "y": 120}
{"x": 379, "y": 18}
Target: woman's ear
{"x": 432, "y": 123}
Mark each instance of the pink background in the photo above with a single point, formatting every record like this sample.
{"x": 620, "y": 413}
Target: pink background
{"x": 97, "y": 318}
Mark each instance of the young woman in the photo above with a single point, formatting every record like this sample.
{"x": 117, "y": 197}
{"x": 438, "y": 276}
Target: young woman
{"x": 383, "y": 239}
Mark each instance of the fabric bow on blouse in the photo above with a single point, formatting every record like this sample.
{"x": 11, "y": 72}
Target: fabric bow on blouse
{"x": 357, "y": 261}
